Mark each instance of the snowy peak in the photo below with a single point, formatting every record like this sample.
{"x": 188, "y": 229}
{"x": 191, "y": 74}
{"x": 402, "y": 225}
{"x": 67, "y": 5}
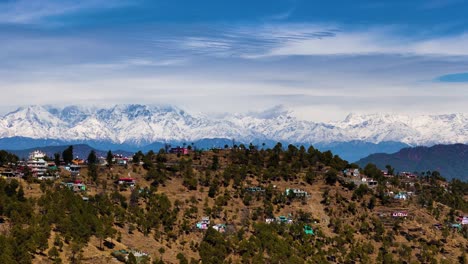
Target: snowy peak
{"x": 416, "y": 130}
{"x": 32, "y": 121}
{"x": 144, "y": 124}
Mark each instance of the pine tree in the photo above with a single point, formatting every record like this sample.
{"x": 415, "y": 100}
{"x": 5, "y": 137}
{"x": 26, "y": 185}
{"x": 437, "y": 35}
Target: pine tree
{"x": 109, "y": 158}
{"x": 92, "y": 158}
{"x": 67, "y": 155}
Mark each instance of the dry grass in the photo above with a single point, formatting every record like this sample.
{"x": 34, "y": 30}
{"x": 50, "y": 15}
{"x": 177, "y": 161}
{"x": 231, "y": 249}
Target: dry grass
{"x": 173, "y": 188}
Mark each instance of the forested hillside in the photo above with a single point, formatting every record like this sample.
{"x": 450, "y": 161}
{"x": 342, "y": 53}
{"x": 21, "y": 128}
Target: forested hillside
{"x": 280, "y": 205}
{"x": 450, "y": 160}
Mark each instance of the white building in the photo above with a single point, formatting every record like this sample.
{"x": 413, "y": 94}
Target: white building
{"x": 37, "y": 164}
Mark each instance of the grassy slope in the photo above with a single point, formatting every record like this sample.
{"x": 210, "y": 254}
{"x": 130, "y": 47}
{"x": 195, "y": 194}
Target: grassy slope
{"x": 418, "y": 225}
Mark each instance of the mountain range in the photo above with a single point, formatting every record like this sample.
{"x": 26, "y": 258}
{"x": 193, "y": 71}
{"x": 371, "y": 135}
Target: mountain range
{"x": 450, "y": 160}
{"x": 132, "y": 127}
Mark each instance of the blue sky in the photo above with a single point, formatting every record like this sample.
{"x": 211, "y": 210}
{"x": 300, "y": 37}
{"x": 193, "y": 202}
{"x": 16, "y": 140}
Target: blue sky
{"x": 320, "y": 59}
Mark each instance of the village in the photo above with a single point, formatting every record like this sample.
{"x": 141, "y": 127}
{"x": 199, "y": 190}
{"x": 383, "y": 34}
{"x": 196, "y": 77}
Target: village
{"x": 125, "y": 177}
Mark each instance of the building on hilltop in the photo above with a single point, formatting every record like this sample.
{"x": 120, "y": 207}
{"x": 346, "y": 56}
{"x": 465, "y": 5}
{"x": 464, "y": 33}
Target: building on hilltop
{"x": 179, "y": 150}
{"x": 37, "y": 163}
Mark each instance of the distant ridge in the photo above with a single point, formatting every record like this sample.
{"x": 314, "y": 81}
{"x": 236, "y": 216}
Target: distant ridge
{"x": 351, "y": 151}
{"x": 81, "y": 151}
{"x": 450, "y": 160}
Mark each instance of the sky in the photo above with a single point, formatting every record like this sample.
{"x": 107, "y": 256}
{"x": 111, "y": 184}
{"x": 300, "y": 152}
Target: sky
{"x": 318, "y": 59}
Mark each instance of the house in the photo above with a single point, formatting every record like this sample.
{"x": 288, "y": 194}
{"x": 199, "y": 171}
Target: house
{"x": 308, "y": 230}
{"x": 463, "y": 220}
{"x": 356, "y": 173}
{"x": 296, "y": 193}
{"x": 126, "y": 181}
{"x": 254, "y": 189}
{"x": 408, "y": 175}
{"x": 400, "y": 214}
{"x": 37, "y": 154}
{"x": 73, "y": 168}
{"x": 352, "y": 172}
{"x": 401, "y": 196}
{"x": 75, "y": 186}
{"x": 179, "y": 150}
{"x": 372, "y": 183}
{"x": 37, "y": 163}
{"x": 284, "y": 219}
{"x": 120, "y": 160}
{"x": 45, "y": 177}
{"x": 220, "y": 228}
{"x": 78, "y": 161}
{"x": 204, "y": 223}
{"x": 369, "y": 182}
{"x": 52, "y": 166}
{"x": 8, "y": 174}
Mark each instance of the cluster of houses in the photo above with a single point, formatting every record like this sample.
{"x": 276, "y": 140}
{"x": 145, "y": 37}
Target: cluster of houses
{"x": 123, "y": 254}
{"x": 352, "y": 172}
{"x": 401, "y": 195}
{"x": 179, "y": 150}
{"x": 458, "y": 225}
{"x": 76, "y": 186}
{"x": 355, "y": 176}
{"x": 290, "y": 192}
{"x": 205, "y": 223}
{"x": 280, "y": 219}
{"x": 408, "y": 175}
{"x": 37, "y": 166}
{"x": 288, "y": 220}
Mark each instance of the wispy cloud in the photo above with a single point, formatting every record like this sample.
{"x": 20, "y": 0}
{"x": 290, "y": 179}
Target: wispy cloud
{"x": 25, "y": 11}
{"x": 314, "y": 69}
{"x": 286, "y": 39}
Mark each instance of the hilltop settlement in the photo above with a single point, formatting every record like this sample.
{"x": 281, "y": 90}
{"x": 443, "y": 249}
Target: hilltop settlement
{"x": 238, "y": 204}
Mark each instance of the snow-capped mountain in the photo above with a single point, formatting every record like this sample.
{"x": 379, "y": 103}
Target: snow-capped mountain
{"x": 142, "y": 124}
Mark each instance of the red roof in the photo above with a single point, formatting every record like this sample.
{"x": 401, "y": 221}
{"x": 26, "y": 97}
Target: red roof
{"x": 126, "y": 179}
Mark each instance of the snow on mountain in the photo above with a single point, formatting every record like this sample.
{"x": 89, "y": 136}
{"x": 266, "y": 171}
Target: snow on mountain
{"x": 413, "y": 130}
{"x": 32, "y": 121}
{"x": 142, "y": 124}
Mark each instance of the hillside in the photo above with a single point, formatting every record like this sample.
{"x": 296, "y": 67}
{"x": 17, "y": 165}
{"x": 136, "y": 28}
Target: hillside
{"x": 240, "y": 188}
{"x": 450, "y": 160}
